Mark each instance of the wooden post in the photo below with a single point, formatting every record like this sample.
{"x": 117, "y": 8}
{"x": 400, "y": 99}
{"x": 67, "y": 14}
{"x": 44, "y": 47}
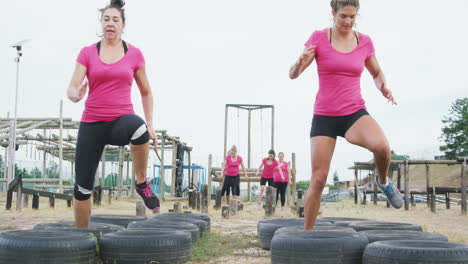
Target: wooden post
{"x": 35, "y": 202}
{"x": 198, "y": 201}
{"x": 270, "y": 201}
{"x": 52, "y": 202}
{"x": 463, "y": 187}
{"x": 9, "y": 199}
{"x": 190, "y": 197}
{"x": 233, "y": 207}
{"x": 140, "y": 209}
{"x": 161, "y": 180}
{"x": 69, "y": 203}
{"x": 19, "y": 192}
{"x": 61, "y": 148}
{"x": 174, "y": 167}
{"x": 447, "y": 200}
{"x": 375, "y": 187}
{"x": 205, "y": 199}
{"x": 25, "y": 201}
{"x": 406, "y": 186}
{"x": 11, "y": 154}
{"x": 388, "y": 204}
{"x": 132, "y": 193}
{"x": 364, "y": 197}
{"x": 272, "y": 127}
{"x": 300, "y": 211}
{"x": 128, "y": 174}
{"x": 210, "y": 167}
{"x": 428, "y": 202}
{"x": 120, "y": 176}
{"x": 218, "y": 199}
{"x": 433, "y": 201}
{"x": 109, "y": 196}
{"x": 5, "y": 171}
{"x": 413, "y": 202}
{"x": 194, "y": 199}
{"x": 249, "y": 150}
{"x": 103, "y": 167}
{"x": 44, "y": 161}
{"x": 225, "y": 130}
{"x": 177, "y": 207}
{"x": 399, "y": 178}
{"x": 225, "y": 211}
{"x": 293, "y": 176}
{"x": 356, "y": 183}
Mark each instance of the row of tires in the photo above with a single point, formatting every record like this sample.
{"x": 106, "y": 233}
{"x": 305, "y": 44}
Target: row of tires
{"x": 353, "y": 240}
{"x": 165, "y": 238}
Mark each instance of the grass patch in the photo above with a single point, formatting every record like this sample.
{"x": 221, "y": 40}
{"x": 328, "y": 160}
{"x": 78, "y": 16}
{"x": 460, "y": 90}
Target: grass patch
{"x": 9, "y": 227}
{"x": 215, "y": 245}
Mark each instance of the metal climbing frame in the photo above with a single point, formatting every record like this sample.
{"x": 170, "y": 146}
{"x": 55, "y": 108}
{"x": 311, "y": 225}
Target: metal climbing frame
{"x": 158, "y": 188}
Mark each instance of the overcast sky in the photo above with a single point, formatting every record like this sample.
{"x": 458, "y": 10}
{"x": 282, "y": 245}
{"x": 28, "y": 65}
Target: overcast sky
{"x": 201, "y": 55}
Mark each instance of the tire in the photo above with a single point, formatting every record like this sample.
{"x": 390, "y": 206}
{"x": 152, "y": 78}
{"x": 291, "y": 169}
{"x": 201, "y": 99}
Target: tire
{"x": 121, "y": 220}
{"x": 146, "y": 246}
{"x": 202, "y": 225}
{"x": 205, "y": 218}
{"x": 341, "y": 219}
{"x": 154, "y": 223}
{"x": 314, "y": 247}
{"x": 36, "y": 246}
{"x": 382, "y": 235}
{"x": 413, "y": 251}
{"x": 348, "y": 222}
{"x": 316, "y": 228}
{"x": 361, "y": 226}
{"x": 97, "y": 229}
{"x": 267, "y": 227}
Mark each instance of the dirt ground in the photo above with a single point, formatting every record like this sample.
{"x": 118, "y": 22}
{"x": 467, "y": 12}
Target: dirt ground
{"x": 243, "y": 226}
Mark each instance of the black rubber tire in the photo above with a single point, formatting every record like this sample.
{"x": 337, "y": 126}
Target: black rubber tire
{"x": 361, "y": 226}
{"x": 341, "y": 219}
{"x": 382, "y": 235}
{"x": 121, "y": 220}
{"x": 205, "y": 218}
{"x": 97, "y": 229}
{"x": 146, "y": 246}
{"x": 316, "y": 228}
{"x": 154, "y": 223}
{"x": 267, "y": 227}
{"x": 347, "y": 223}
{"x": 36, "y": 246}
{"x": 202, "y": 225}
{"x": 415, "y": 252}
{"x": 314, "y": 247}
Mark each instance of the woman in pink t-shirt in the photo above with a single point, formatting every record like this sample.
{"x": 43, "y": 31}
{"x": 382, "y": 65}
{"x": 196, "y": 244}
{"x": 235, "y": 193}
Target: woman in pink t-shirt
{"x": 230, "y": 174}
{"x": 110, "y": 66}
{"x": 282, "y": 177}
{"x": 341, "y": 55}
{"x": 269, "y": 164}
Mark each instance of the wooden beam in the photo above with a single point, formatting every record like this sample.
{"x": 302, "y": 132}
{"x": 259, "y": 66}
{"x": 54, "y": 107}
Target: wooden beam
{"x": 163, "y": 172}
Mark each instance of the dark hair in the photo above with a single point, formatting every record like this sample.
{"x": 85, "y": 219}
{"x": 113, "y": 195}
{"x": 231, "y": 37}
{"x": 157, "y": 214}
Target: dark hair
{"x": 117, "y": 4}
{"x": 337, "y": 4}
{"x": 272, "y": 152}
{"x": 280, "y": 153}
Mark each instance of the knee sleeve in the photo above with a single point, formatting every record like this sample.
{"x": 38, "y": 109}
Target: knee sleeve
{"x": 81, "y": 194}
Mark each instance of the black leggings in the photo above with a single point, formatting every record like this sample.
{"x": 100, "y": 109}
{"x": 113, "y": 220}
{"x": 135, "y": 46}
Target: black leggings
{"x": 93, "y": 137}
{"x": 231, "y": 182}
{"x": 281, "y": 189}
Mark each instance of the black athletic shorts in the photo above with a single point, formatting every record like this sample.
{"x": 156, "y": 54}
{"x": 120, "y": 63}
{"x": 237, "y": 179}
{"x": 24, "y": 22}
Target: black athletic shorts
{"x": 270, "y": 181}
{"x": 231, "y": 183}
{"x": 334, "y": 126}
{"x": 93, "y": 137}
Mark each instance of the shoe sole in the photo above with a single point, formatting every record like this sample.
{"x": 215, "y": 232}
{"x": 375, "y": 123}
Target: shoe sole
{"x": 145, "y": 204}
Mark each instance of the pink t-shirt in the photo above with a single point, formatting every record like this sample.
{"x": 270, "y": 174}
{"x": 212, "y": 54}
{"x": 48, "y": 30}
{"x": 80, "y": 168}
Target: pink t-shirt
{"x": 232, "y": 167}
{"x": 339, "y": 73}
{"x": 267, "y": 172}
{"x": 110, "y": 85}
{"x": 277, "y": 175}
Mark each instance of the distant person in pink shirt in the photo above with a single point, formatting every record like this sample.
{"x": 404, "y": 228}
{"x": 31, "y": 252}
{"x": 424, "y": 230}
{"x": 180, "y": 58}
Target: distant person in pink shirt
{"x": 269, "y": 164}
{"x": 230, "y": 174}
{"x": 341, "y": 54}
{"x": 110, "y": 67}
{"x": 282, "y": 176}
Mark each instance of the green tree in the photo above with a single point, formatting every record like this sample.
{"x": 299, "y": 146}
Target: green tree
{"x": 455, "y": 130}
{"x": 36, "y": 173}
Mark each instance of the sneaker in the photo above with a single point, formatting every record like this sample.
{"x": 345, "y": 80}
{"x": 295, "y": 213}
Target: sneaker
{"x": 150, "y": 200}
{"x": 392, "y": 193}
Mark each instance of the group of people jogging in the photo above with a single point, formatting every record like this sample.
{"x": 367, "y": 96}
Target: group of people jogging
{"x": 276, "y": 173}
{"x": 341, "y": 54}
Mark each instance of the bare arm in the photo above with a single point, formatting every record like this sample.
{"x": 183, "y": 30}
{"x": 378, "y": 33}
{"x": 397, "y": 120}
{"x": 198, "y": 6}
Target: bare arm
{"x": 303, "y": 62}
{"x": 243, "y": 169}
{"x": 289, "y": 175}
{"x": 374, "y": 69}
{"x": 259, "y": 168}
{"x": 77, "y": 88}
{"x": 147, "y": 100}
{"x": 280, "y": 171}
{"x": 222, "y": 169}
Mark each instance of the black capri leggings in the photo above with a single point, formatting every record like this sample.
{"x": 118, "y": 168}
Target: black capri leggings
{"x": 231, "y": 182}
{"x": 93, "y": 137}
{"x": 281, "y": 190}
